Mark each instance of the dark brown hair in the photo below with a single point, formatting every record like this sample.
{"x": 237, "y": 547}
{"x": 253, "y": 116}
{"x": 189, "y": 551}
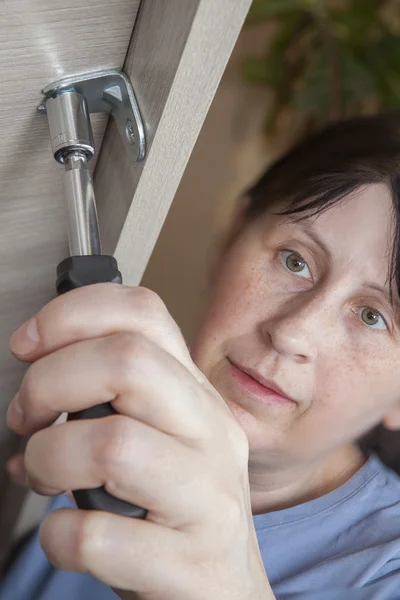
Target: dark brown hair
{"x": 327, "y": 166}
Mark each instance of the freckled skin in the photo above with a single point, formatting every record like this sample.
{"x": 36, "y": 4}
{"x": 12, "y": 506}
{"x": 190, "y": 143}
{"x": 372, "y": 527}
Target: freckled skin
{"x": 307, "y": 333}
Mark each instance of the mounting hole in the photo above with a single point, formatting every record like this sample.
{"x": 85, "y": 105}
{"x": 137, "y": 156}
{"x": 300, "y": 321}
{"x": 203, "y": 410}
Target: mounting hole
{"x": 130, "y": 131}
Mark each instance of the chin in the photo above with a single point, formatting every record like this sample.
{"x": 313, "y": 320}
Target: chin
{"x": 261, "y": 435}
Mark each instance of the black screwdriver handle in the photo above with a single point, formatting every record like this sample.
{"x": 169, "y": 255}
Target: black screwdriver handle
{"x": 74, "y": 272}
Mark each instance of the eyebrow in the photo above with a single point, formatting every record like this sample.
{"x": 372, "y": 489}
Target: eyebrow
{"x": 374, "y": 286}
{"x": 316, "y": 238}
{"x": 394, "y": 303}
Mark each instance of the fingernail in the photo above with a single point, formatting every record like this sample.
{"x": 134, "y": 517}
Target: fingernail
{"x": 15, "y": 414}
{"x": 26, "y": 338}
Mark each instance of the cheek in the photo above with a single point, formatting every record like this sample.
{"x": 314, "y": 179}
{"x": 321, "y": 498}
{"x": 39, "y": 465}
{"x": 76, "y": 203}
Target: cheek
{"x": 357, "y": 387}
{"x": 230, "y": 315}
{"x": 223, "y": 321}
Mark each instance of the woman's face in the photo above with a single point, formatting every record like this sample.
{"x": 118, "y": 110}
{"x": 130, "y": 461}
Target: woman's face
{"x": 306, "y": 307}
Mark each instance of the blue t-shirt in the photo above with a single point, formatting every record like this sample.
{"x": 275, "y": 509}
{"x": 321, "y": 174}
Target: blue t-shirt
{"x": 342, "y": 546}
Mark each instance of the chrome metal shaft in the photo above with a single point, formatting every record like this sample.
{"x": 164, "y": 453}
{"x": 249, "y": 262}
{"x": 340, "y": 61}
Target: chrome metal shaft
{"x": 83, "y": 226}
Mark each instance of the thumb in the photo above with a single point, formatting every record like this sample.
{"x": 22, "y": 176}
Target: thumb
{"x": 16, "y": 469}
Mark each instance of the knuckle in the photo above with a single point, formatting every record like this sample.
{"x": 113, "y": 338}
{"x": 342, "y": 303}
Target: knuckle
{"x": 128, "y": 349}
{"x": 111, "y": 447}
{"x": 148, "y": 300}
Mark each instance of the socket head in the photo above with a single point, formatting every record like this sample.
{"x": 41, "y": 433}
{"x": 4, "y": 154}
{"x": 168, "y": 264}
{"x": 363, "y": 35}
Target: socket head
{"x": 69, "y": 124}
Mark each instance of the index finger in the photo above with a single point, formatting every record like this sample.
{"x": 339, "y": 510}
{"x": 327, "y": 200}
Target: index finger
{"x": 96, "y": 311}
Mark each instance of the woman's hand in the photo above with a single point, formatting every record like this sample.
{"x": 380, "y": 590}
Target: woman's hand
{"x": 174, "y": 448}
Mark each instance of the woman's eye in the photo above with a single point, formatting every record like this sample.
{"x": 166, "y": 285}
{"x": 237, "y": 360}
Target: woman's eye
{"x": 372, "y": 318}
{"x": 295, "y": 263}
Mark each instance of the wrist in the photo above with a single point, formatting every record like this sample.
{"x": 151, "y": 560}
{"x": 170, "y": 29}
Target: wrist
{"x": 261, "y": 587}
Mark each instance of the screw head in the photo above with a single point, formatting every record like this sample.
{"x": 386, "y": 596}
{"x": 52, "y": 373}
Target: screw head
{"x": 130, "y": 131}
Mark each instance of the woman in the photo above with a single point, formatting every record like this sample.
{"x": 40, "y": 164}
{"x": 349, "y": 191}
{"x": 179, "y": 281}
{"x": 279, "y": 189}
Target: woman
{"x": 300, "y": 350}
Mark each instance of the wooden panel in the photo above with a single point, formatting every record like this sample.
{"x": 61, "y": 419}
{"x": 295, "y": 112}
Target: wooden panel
{"x": 176, "y": 59}
{"x": 40, "y": 42}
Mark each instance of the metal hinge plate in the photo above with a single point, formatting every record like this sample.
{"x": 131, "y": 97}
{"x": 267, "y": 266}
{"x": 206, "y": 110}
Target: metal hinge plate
{"x": 111, "y": 92}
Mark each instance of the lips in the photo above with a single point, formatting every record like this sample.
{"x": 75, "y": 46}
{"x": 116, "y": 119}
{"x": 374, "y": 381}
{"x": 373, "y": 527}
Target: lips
{"x": 268, "y": 384}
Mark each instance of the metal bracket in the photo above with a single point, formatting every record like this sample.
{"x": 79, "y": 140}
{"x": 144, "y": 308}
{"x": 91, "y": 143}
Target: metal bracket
{"x": 111, "y": 92}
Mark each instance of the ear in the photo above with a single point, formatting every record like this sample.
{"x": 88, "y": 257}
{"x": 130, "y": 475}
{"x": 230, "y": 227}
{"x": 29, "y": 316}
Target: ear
{"x": 392, "y": 419}
{"x": 233, "y": 229}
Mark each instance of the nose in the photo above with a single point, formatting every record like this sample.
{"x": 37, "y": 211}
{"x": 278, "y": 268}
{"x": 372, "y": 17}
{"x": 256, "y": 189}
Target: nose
{"x": 298, "y": 327}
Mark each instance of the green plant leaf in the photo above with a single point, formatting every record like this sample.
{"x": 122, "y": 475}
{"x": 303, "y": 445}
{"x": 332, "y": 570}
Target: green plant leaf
{"x": 356, "y": 78}
{"x": 382, "y": 58}
{"x": 274, "y": 68}
{"x": 312, "y": 93}
{"x": 357, "y": 23}
{"x": 260, "y": 70}
{"x": 261, "y": 10}
{"x": 325, "y": 61}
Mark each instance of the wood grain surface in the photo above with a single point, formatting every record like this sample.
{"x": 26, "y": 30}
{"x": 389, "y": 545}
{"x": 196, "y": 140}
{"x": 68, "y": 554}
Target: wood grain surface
{"x": 40, "y": 41}
{"x": 176, "y": 59}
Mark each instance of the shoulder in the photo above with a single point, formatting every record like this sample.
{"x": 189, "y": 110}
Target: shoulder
{"x": 382, "y": 486}
{"x": 377, "y": 503}
{"x": 374, "y": 532}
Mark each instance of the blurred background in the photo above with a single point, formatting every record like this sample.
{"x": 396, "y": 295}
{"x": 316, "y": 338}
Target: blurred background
{"x": 297, "y": 65}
